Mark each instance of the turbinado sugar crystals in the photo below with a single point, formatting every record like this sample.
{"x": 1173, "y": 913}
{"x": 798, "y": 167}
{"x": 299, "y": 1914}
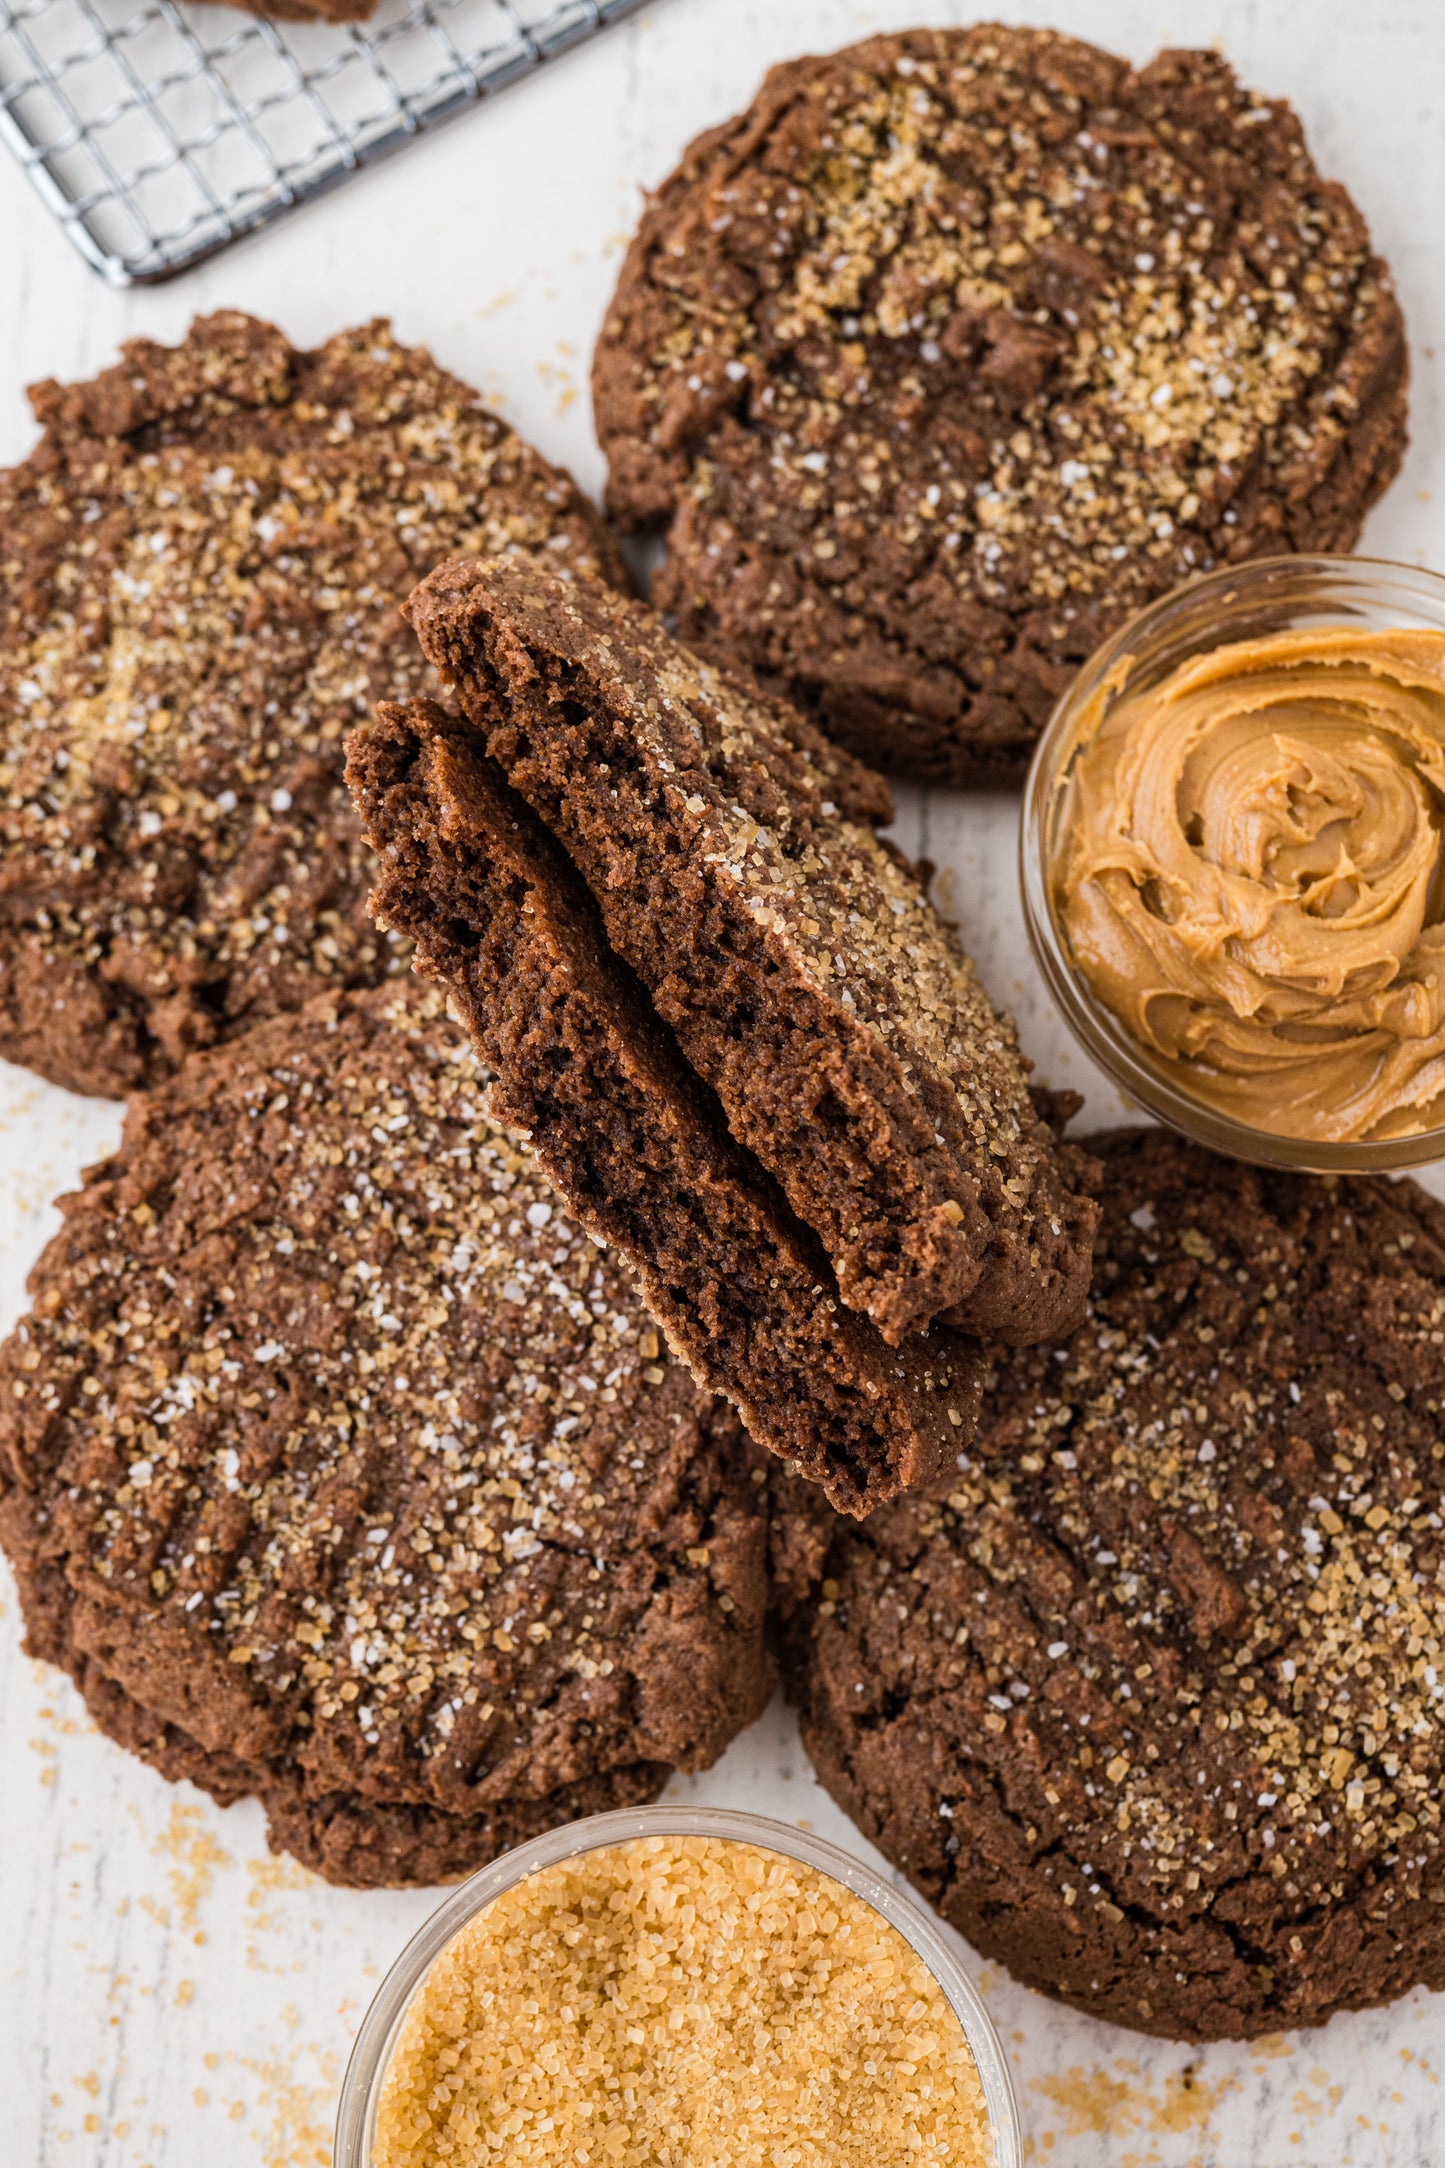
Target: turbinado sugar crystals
{"x": 681, "y": 2002}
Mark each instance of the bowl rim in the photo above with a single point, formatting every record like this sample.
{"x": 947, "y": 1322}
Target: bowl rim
{"x": 1128, "y": 1065}
{"x": 376, "y": 2038}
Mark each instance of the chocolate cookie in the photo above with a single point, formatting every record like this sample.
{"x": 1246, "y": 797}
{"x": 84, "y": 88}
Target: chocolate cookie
{"x": 1152, "y": 1705}
{"x": 797, "y": 959}
{"x": 339, "y": 1466}
{"x": 959, "y": 345}
{"x": 632, "y": 1139}
{"x": 200, "y": 567}
{"x": 348, "y": 1837}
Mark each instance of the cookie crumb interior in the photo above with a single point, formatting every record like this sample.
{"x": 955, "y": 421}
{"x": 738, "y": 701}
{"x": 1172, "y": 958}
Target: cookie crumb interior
{"x": 681, "y": 1999}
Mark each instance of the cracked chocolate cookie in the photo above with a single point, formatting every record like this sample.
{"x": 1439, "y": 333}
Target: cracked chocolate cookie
{"x": 959, "y": 345}
{"x": 797, "y": 959}
{"x": 629, "y": 1135}
{"x": 339, "y": 1466}
{"x": 200, "y": 571}
{"x": 1151, "y": 1704}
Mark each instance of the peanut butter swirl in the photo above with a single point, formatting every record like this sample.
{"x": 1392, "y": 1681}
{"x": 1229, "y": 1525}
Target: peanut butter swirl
{"x": 1250, "y": 877}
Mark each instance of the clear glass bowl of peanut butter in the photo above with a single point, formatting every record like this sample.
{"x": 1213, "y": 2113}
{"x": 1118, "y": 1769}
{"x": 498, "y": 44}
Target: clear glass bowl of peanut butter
{"x": 1233, "y": 861}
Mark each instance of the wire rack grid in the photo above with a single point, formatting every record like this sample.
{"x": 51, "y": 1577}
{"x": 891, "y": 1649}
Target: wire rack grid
{"x": 158, "y": 133}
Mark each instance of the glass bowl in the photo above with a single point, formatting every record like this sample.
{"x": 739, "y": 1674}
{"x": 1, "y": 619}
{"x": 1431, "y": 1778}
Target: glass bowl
{"x": 361, "y": 2087}
{"x": 1243, "y": 602}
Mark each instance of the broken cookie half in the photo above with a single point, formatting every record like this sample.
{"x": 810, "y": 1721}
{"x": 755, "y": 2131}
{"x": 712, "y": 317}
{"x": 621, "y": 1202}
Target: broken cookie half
{"x": 732, "y": 857}
{"x": 632, "y": 1137}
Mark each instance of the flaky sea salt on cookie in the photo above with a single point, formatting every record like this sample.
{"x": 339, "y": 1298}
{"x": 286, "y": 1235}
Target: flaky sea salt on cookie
{"x": 809, "y": 982}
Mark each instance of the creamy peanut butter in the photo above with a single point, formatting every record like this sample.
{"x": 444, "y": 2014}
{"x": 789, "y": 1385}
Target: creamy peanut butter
{"x": 1249, "y": 874}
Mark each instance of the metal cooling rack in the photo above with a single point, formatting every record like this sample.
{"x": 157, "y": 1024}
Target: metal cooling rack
{"x": 158, "y": 133}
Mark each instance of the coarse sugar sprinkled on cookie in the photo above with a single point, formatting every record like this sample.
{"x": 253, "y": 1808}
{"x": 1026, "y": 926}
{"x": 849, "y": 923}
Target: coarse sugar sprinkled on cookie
{"x": 822, "y": 884}
{"x": 203, "y": 562}
{"x": 361, "y": 1426}
{"x": 1186, "y": 1604}
{"x": 959, "y": 345}
{"x": 1164, "y": 353}
{"x": 809, "y": 980}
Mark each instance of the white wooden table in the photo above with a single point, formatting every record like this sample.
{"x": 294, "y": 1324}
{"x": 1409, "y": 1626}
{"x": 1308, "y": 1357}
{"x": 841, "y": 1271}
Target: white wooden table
{"x": 169, "y": 1994}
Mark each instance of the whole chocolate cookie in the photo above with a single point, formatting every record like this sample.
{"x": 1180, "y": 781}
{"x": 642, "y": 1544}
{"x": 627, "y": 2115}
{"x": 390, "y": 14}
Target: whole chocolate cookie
{"x": 1152, "y": 1704}
{"x": 337, "y": 1465}
{"x": 797, "y": 958}
{"x": 200, "y": 568}
{"x": 959, "y": 345}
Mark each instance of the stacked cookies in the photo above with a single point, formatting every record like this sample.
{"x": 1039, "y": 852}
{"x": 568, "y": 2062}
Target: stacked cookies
{"x": 341, "y": 1467}
{"x": 337, "y": 1464}
{"x": 389, "y": 1435}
